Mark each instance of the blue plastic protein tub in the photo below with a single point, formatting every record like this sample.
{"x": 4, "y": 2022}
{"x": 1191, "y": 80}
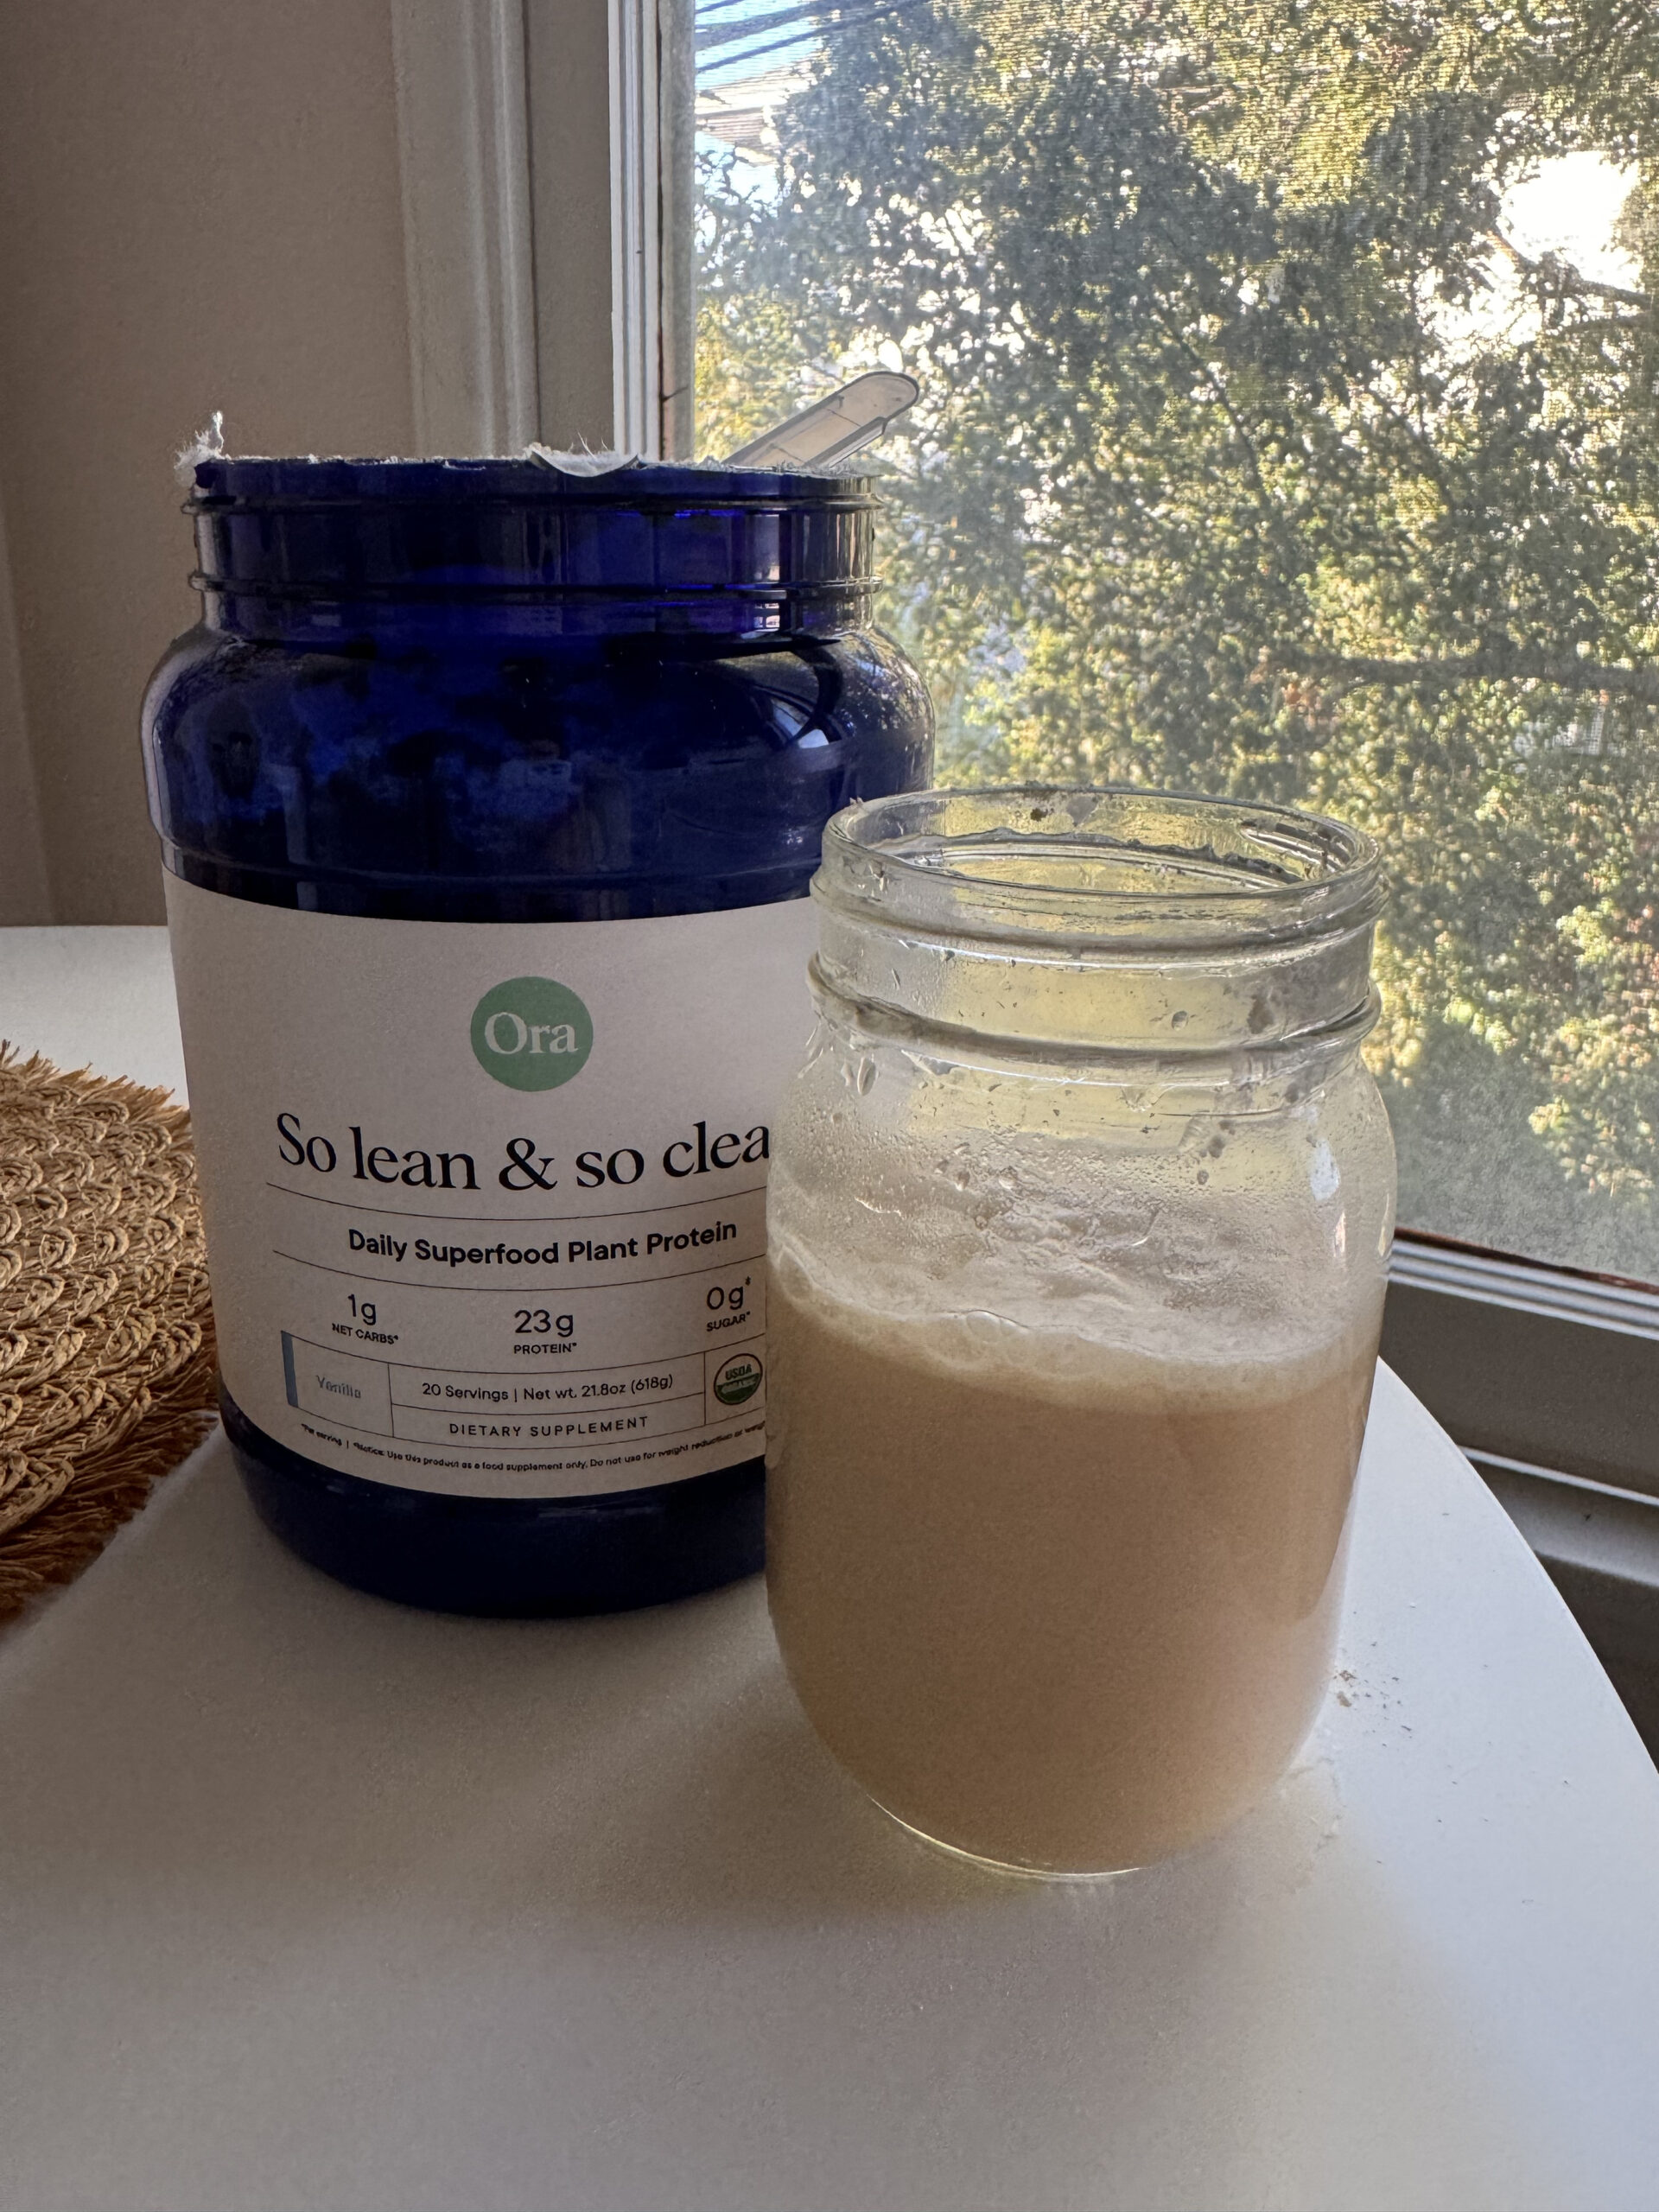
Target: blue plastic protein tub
{"x": 488, "y": 795}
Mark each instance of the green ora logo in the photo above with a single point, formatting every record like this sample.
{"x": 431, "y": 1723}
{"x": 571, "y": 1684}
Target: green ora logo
{"x": 532, "y": 1033}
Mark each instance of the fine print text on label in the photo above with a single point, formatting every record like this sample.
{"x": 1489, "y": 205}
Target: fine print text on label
{"x": 499, "y": 1238}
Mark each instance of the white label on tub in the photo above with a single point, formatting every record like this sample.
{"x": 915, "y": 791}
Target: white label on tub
{"x": 486, "y": 1202}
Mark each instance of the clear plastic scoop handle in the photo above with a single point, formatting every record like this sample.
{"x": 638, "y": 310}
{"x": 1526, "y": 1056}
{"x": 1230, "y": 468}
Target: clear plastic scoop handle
{"x": 832, "y": 429}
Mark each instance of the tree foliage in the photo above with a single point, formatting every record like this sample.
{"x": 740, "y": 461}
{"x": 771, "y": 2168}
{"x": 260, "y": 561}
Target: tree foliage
{"x": 1256, "y": 459}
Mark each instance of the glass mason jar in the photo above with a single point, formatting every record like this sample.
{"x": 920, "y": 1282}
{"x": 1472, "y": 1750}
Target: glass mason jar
{"x": 489, "y": 797}
{"x": 1079, "y": 1219}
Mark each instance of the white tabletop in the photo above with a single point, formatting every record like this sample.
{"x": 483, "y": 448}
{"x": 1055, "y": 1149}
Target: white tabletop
{"x": 306, "y": 1900}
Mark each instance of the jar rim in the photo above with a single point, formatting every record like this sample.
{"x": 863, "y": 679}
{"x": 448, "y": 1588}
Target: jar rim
{"x": 1118, "y": 867}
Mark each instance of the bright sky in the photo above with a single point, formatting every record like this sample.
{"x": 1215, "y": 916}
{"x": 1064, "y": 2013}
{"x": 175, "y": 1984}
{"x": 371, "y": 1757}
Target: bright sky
{"x": 775, "y": 44}
{"x": 1570, "y": 208}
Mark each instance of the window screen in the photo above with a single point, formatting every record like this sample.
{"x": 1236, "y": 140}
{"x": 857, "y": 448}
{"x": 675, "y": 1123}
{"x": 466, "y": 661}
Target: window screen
{"x": 1289, "y": 431}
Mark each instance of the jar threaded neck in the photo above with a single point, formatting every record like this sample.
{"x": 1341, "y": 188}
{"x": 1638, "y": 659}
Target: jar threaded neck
{"x": 1111, "y": 918}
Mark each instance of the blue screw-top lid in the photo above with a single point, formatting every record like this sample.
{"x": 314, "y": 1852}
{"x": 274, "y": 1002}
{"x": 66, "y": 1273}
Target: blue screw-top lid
{"x": 701, "y": 547}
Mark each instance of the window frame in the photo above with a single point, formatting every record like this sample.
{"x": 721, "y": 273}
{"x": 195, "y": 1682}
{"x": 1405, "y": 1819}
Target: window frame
{"x": 1547, "y": 1378}
{"x": 1526, "y": 1363}
{"x": 546, "y": 152}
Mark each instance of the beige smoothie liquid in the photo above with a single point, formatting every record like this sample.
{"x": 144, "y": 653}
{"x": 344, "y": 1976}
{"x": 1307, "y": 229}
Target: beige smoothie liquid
{"x": 1056, "y": 1607}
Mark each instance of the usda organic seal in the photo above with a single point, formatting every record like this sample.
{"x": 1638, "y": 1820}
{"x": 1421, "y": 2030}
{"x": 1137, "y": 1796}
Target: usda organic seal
{"x": 739, "y": 1379}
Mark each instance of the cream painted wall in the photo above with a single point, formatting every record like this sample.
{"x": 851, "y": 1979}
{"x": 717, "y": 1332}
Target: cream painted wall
{"x": 200, "y": 207}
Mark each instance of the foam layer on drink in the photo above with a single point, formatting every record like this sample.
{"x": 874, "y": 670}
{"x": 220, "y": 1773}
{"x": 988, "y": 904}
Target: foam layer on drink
{"x": 1055, "y": 1604}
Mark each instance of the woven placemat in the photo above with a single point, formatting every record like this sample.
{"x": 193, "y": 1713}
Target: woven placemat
{"x": 106, "y": 1350}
